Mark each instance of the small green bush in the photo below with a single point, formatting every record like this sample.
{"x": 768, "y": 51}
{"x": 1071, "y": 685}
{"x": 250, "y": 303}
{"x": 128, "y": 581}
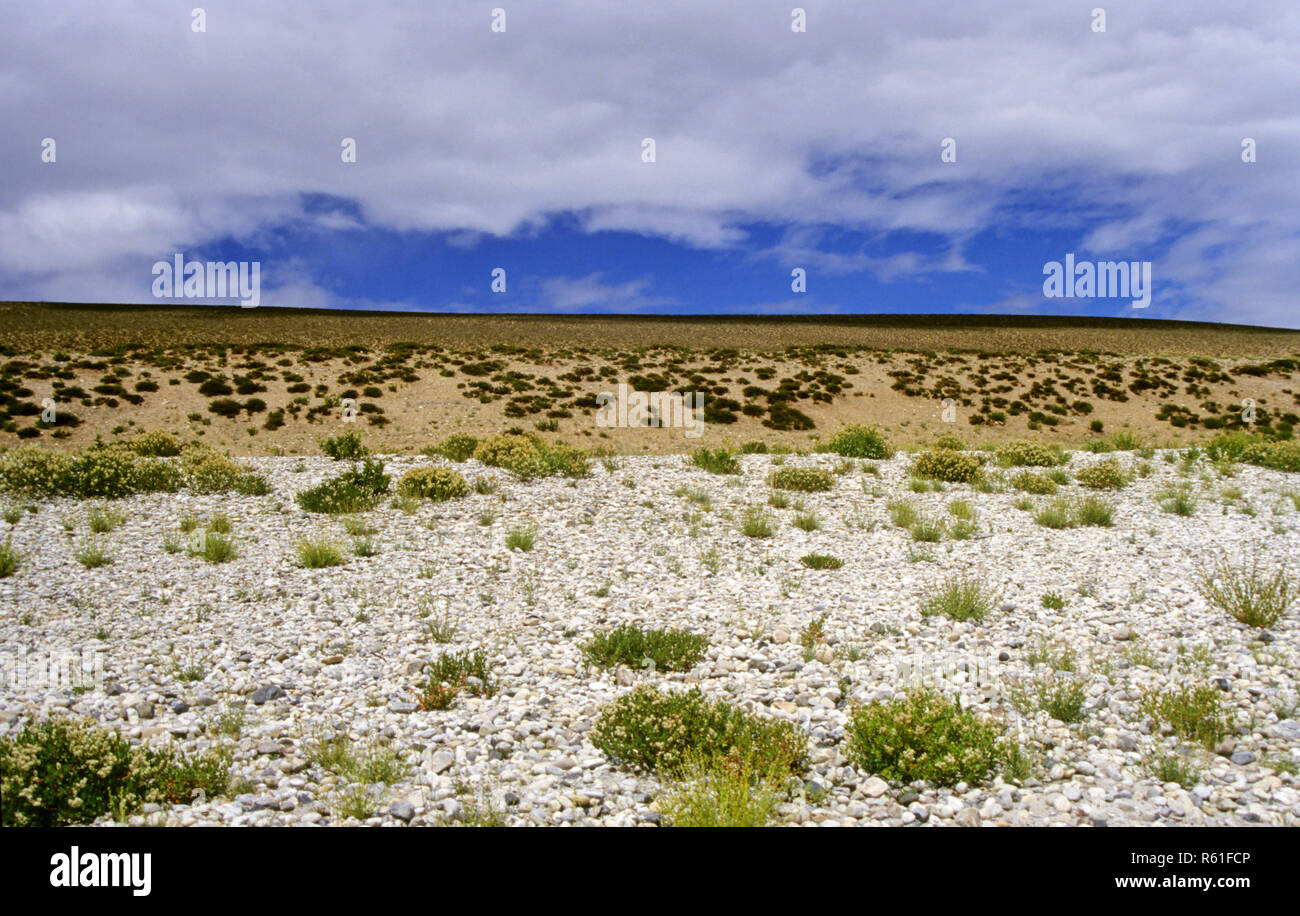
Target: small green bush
{"x": 807, "y": 480}
{"x": 457, "y": 447}
{"x": 156, "y": 444}
{"x": 453, "y": 673}
{"x": 856, "y": 441}
{"x": 1254, "y": 594}
{"x": 1277, "y": 456}
{"x": 1104, "y": 475}
{"x": 650, "y": 731}
{"x": 207, "y": 471}
{"x": 527, "y": 456}
{"x": 356, "y": 490}
{"x": 960, "y": 598}
{"x": 716, "y": 460}
{"x": 344, "y": 447}
{"x": 1024, "y": 453}
{"x": 437, "y": 484}
{"x": 1038, "y": 484}
{"x": 64, "y": 770}
{"x": 723, "y": 790}
{"x": 668, "y": 650}
{"x": 948, "y": 466}
{"x": 923, "y": 735}
{"x": 10, "y": 560}
{"x": 755, "y": 523}
{"x": 1194, "y": 712}
{"x": 318, "y": 554}
{"x": 821, "y": 561}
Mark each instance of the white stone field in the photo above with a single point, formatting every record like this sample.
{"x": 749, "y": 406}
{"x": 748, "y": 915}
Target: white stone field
{"x": 268, "y": 658}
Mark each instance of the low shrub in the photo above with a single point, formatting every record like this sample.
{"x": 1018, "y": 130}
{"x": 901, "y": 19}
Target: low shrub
{"x": 723, "y": 790}
{"x": 1193, "y": 712}
{"x": 856, "y": 441}
{"x": 1104, "y": 475}
{"x": 959, "y": 598}
{"x": 923, "y": 735}
{"x": 155, "y": 445}
{"x": 716, "y": 460}
{"x": 318, "y": 554}
{"x": 948, "y": 466}
{"x": 527, "y": 456}
{"x": 1254, "y": 594}
{"x": 437, "y": 484}
{"x": 1038, "y": 484}
{"x": 10, "y": 560}
{"x": 65, "y": 770}
{"x": 344, "y": 447}
{"x": 454, "y": 673}
{"x": 1277, "y": 456}
{"x": 821, "y": 561}
{"x": 668, "y": 650}
{"x": 652, "y": 731}
{"x": 1024, "y": 453}
{"x": 458, "y": 447}
{"x": 356, "y": 490}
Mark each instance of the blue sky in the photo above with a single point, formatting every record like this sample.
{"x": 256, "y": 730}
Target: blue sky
{"x": 775, "y": 150}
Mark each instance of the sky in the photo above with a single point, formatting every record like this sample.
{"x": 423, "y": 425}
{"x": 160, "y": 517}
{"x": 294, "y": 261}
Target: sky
{"x": 776, "y": 151}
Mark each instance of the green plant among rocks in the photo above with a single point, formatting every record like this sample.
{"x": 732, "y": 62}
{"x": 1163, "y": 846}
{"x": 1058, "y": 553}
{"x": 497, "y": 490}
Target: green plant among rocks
{"x": 856, "y": 441}
{"x": 1038, "y": 484}
{"x": 821, "y": 561}
{"x": 948, "y": 466}
{"x": 318, "y": 554}
{"x": 10, "y": 559}
{"x": 1062, "y": 696}
{"x": 68, "y": 770}
{"x": 357, "y": 490}
{"x": 452, "y": 674}
{"x": 716, "y": 460}
{"x": 1194, "y": 712}
{"x": 925, "y": 736}
{"x": 959, "y": 598}
{"x": 344, "y": 447}
{"x": 667, "y": 650}
{"x": 724, "y": 789}
{"x": 648, "y": 730}
{"x": 1022, "y": 453}
{"x": 1255, "y": 594}
{"x": 1104, "y": 475}
{"x": 756, "y": 523}
{"x": 433, "y": 483}
{"x": 527, "y": 456}
{"x": 458, "y": 447}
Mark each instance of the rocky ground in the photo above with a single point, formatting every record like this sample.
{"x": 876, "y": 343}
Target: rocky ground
{"x": 267, "y": 657}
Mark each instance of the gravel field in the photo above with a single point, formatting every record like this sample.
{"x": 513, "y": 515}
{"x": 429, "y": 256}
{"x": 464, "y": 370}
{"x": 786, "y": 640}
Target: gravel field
{"x": 269, "y": 658}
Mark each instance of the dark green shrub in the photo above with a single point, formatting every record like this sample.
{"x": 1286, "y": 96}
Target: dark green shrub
{"x": 63, "y": 770}
{"x": 857, "y": 441}
{"x": 716, "y": 460}
{"x": 668, "y": 650}
{"x": 357, "y": 490}
{"x": 344, "y": 447}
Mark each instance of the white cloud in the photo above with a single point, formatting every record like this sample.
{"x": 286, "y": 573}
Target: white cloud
{"x": 170, "y": 140}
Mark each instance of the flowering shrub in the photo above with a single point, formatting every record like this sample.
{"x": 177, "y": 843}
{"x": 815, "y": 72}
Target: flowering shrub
{"x": 437, "y": 484}
{"x": 1104, "y": 475}
{"x": 658, "y": 732}
{"x": 156, "y": 444}
{"x": 1032, "y": 454}
{"x": 948, "y": 465}
{"x": 527, "y": 456}
{"x": 457, "y": 447}
{"x": 63, "y": 770}
{"x": 923, "y": 735}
